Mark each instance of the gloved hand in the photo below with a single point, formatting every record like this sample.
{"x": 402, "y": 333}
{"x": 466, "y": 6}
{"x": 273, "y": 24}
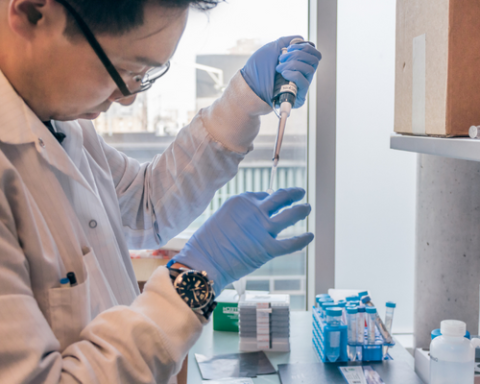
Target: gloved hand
{"x": 241, "y": 236}
{"x": 298, "y": 65}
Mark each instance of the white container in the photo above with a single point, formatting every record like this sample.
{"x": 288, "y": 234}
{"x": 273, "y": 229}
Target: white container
{"x": 452, "y": 356}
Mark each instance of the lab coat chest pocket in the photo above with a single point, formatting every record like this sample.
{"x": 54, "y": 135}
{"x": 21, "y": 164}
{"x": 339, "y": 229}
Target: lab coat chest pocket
{"x": 71, "y": 309}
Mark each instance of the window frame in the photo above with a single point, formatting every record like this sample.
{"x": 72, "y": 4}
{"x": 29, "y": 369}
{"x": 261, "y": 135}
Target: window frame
{"x": 321, "y": 151}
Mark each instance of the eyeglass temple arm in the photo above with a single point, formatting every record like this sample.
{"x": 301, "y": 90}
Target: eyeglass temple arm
{"x": 98, "y": 49}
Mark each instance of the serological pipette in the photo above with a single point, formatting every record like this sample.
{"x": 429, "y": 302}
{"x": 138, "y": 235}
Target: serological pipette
{"x": 284, "y": 96}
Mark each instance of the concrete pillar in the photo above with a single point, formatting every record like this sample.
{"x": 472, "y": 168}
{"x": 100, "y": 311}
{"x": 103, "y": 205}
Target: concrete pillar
{"x": 447, "y": 274}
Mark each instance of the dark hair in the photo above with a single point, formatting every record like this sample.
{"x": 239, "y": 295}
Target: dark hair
{"x": 120, "y": 16}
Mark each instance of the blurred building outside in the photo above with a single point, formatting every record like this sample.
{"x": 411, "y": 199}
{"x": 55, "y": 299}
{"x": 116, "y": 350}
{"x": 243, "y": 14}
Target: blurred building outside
{"x": 147, "y": 127}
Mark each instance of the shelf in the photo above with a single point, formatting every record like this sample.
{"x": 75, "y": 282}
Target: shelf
{"x": 456, "y": 148}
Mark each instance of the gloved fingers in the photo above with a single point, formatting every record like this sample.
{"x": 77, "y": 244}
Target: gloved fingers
{"x": 299, "y": 101}
{"x": 305, "y": 69}
{"x": 305, "y": 47}
{"x": 289, "y": 217}
{"x": 291, "y": 245}
{"x": 281, "y": 199}
{"x": 256, "y": 195}
{"x": 284, "y": 42}
{"x": 302, "y": 56}
{"x": 298, "y": 78}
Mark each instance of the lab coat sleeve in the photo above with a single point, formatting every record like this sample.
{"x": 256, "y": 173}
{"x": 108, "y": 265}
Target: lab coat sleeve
{"x": 142, "y": 343}
{"x": 161, "y": 198}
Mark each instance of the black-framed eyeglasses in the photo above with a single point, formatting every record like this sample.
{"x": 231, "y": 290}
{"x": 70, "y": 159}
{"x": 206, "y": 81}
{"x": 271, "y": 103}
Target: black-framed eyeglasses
{"x": 142, "y": 83}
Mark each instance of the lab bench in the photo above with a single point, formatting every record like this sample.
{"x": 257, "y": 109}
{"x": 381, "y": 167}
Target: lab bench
{"x": 215, "y": 343}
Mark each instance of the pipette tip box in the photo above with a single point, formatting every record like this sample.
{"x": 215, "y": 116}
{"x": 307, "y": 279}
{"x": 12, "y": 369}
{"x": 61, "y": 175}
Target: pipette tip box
{"x": 264, "y": 323}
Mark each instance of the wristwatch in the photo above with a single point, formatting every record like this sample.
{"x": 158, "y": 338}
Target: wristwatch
{"x": 195, "y": 289}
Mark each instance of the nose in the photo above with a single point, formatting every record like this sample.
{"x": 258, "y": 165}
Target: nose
{"x": 117, "y": 97}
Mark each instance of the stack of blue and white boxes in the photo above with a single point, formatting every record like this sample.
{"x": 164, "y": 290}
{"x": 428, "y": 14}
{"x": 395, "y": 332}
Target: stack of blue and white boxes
{"x": 335, "y": 340}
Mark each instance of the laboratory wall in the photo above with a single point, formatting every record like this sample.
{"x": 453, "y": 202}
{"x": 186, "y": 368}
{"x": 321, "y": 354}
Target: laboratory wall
{"x": 375, "y": 186}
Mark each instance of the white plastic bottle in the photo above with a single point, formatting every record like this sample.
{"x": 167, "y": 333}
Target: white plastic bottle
{"x": 452, "y": 356}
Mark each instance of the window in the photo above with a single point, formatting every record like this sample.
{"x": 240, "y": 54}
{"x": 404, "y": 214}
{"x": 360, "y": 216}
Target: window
{"x": 214, "y": 47}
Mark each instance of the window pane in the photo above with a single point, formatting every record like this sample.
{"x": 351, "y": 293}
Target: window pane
{"x": 214, "y": 47}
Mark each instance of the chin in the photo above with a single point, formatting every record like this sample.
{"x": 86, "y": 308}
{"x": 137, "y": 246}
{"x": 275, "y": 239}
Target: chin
{"x": 88, "y": 116}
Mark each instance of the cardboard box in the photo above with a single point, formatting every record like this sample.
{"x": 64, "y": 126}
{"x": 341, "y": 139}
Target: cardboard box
{"x": 437, "y": 80}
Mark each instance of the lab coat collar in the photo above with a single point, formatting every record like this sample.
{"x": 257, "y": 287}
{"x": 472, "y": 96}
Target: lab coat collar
{"x": 20, "y": 125}
{"x": 16, "y": 118}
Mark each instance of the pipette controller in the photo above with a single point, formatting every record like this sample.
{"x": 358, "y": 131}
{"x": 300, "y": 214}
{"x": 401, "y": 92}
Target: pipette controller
{"x": 284, "y": 96}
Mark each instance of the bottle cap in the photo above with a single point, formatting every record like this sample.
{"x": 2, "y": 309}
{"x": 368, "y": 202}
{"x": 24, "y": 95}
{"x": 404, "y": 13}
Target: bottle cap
{"x": 365, "y": 299}
{"x": 328, "y": 305}
{"x": 334, "y": 312}
{"x": 436, "y": 332}
{"x": 351, "y": 298}
{"x": 363, "y": 293}
{"x": 352, "y": 310}
{"x": 473, "y": 132}
{"x": 371, "y": 310}
{"x": 341, "y": 305}
{"x": 391, "y": 304}
{"x": 342, "y": 301}
{"x": 324, "y": 299}
{"x": 361, "y": 309}
{"x": 321, "y": 296}
{"x": 453, "y": 328}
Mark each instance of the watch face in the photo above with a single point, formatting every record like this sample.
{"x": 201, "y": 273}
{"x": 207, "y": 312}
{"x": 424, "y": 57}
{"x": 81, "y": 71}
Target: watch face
{"x": 194, "y": 289}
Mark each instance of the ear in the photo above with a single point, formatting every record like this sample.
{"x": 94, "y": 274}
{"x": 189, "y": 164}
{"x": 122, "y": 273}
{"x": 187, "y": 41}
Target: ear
{"x": 26, "y": 17}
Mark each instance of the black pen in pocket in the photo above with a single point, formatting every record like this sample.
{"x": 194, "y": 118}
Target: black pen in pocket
{"x": 72, "y": 278}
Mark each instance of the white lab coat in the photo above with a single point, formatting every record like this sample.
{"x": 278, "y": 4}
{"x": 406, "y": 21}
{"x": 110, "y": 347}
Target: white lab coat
{"x": 78, "y": 207}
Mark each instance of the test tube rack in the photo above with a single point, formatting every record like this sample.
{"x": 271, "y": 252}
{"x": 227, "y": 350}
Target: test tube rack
{"x": 370, "y": 352}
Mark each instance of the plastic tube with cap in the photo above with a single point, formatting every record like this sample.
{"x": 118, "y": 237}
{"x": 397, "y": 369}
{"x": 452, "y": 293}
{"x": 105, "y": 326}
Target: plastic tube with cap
{"x": 363, "y": 293}
{"x": 389, "y": 311}
{"x": 318, "y": 298}
{"x": 352, "y": 333}
{"x": 371, "y": 312}
{"x": 360, "y": 332}
{"x": 378, "y": 321}
{"x": 332, "y": 337}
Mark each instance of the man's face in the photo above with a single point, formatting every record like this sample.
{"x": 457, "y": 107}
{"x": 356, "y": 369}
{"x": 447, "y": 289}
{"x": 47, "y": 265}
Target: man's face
{"x": 69, "y": 81}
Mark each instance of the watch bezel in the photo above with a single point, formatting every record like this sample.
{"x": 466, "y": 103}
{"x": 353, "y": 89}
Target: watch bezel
{"x": 203, "y": 276}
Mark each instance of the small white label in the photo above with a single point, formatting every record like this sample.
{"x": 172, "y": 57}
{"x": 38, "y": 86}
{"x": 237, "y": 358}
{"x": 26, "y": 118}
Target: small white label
{"x": 334, "y": 339}
{"x": 230, "y": 310}
{"x": 290, "y": 87}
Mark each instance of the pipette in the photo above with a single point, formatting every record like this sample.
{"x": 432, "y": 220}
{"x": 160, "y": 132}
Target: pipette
{"x": 284, "y": 96}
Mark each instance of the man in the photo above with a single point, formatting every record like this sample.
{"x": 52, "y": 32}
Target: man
{"x": 70, "y": 204}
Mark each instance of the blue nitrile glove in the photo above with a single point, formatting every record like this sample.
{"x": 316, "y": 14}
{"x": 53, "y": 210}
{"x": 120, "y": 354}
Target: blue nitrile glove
{"x": 298, "y": 65}
{"x": 241, "y": 236}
